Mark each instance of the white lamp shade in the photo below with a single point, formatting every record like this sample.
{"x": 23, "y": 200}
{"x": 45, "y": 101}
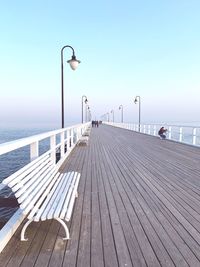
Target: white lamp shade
{"x": 73, "y": 63}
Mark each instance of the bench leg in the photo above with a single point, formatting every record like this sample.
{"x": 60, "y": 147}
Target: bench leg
{"x": 24, "y": 230}
{"x": 65, "y": 227}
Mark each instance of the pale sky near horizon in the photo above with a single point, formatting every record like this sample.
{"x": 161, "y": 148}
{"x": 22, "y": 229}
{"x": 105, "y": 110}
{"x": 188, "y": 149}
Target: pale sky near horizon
{"x": 126, "y": 48}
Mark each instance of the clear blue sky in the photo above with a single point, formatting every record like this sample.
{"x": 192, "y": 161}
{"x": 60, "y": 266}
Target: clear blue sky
{"x": 126, "y": 48}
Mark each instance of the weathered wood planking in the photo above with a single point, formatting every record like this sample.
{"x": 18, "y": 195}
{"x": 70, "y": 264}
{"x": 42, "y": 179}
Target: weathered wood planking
{"x": 138, "y": 205}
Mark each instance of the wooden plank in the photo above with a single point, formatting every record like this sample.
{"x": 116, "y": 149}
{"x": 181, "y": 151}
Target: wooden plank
{"x": 147, "y": 214}
{"x": 84, "y": 249}
{"x": 22, "y": 247}
{"x": 46, "y": 250}
{"x": 36, "y": 245}
{"x": 119, "y": 239}
{"x": 97, "y": 256}
{"x": 78, "y": 163}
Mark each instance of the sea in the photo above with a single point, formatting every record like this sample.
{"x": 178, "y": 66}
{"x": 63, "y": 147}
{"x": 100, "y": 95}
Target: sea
{"x": 11, "y": 162}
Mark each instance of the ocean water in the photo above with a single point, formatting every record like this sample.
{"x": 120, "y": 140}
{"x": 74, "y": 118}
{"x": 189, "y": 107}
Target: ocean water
{"x": 13, "y": 161}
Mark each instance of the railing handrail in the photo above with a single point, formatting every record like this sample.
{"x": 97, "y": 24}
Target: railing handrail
{"x": 18, "y": 143}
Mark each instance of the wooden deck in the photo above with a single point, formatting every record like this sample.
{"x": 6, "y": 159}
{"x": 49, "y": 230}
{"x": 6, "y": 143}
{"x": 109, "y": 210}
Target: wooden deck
{"x": 138, "y": 205}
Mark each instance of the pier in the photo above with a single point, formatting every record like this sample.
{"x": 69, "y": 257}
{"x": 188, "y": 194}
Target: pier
{"x": 138, "y": 205}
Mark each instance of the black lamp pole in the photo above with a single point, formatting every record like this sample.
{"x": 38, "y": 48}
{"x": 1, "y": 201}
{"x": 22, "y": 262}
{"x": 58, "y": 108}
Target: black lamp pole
{"x": 73, "y": 64}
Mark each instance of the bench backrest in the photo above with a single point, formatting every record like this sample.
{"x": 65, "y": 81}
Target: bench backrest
{"x": 30, "y": 182}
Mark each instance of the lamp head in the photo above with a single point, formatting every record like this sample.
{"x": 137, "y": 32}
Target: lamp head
{"x": 86, "y": 101}
{"x": 135, "y": 101}
{"x": 73, "y": 62}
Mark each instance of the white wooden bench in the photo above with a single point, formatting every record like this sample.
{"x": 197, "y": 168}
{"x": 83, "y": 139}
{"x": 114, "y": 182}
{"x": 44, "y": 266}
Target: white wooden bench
{"x": 87, "y": 131}
{"x": 83, "y": 141}
{"x": 43, "y": 193}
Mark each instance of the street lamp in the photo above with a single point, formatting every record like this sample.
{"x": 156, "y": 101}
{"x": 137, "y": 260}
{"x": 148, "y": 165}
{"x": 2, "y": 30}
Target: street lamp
{"x": 122, "y": 110}
{"x": 112, "y": 111}
{"x": 137, "y": 99}
{"x": 73, "y": 64}
{"x": 90, "y": 115}
{"x": 87, "y": 108}
{"x": 83, "y": 97}
{"x": 108, "y": 116}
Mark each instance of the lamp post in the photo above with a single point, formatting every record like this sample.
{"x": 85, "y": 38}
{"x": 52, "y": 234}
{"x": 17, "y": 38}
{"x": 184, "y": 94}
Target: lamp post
{"x": 90, "y": 115}
{"x": 73, "y": 64}
{"x": 137, "y": 99}
{"x": 112, "y": 111}
{"x": 83, "y": 97}
{"x": 122, "y": 110}
{"x": 87, "y": 108}
{"x": 108, "y": 116}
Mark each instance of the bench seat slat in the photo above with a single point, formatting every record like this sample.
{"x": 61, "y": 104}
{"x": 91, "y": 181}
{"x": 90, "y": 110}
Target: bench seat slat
{"x": 68, "y": 198}
{"x": 64, "y": 194}
{"x": 44, "y": 200}
{"x": 70, "y": 207}
{"x": 51, "y": 198}
{"x": 57, "y": 197}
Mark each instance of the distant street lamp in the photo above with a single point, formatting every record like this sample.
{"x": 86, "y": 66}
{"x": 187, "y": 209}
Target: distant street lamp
{"x": 137, "y": 99}
{"x": 108, "y": 116}
{"x": 73, "y": 64}
{"x": 90, "y": 115}
{"x": 112, "y": 111}
{"x": 87, "y": 109}
{"x": 122, "y": 110}
{"x": 84, "y": 99}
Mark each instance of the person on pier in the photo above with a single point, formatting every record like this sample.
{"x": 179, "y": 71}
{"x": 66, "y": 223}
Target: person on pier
{"x": 162, "y": 132}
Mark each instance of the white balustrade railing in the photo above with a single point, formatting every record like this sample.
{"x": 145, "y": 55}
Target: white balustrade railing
{"x": 61, "y": 142}
{"x": 179, "y": 133}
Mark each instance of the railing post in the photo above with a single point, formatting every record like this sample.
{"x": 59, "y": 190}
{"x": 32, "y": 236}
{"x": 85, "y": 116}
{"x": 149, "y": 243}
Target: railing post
{"x": 68, "y": 139}
{"x": 34, "y": 150}
{"x": 170, "y": 132}
{"x": 72, "y": 137}
{"x": 180, "y": 134}
{"x": 52, "y": 147}
{"x": 194, "y": 136}
{"x": 149, "y": 129}
{"x": 62, "y": 147}
{"x": 154, "y": 130}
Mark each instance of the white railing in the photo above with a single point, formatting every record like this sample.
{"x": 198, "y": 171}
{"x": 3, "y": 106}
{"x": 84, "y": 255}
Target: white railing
{"x": 61, "y": 142}
{"x": 179, "y": 133}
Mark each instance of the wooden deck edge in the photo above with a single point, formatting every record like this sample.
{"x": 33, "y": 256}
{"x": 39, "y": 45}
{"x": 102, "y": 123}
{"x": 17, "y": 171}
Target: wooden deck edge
{"x": 10, "y": 228}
